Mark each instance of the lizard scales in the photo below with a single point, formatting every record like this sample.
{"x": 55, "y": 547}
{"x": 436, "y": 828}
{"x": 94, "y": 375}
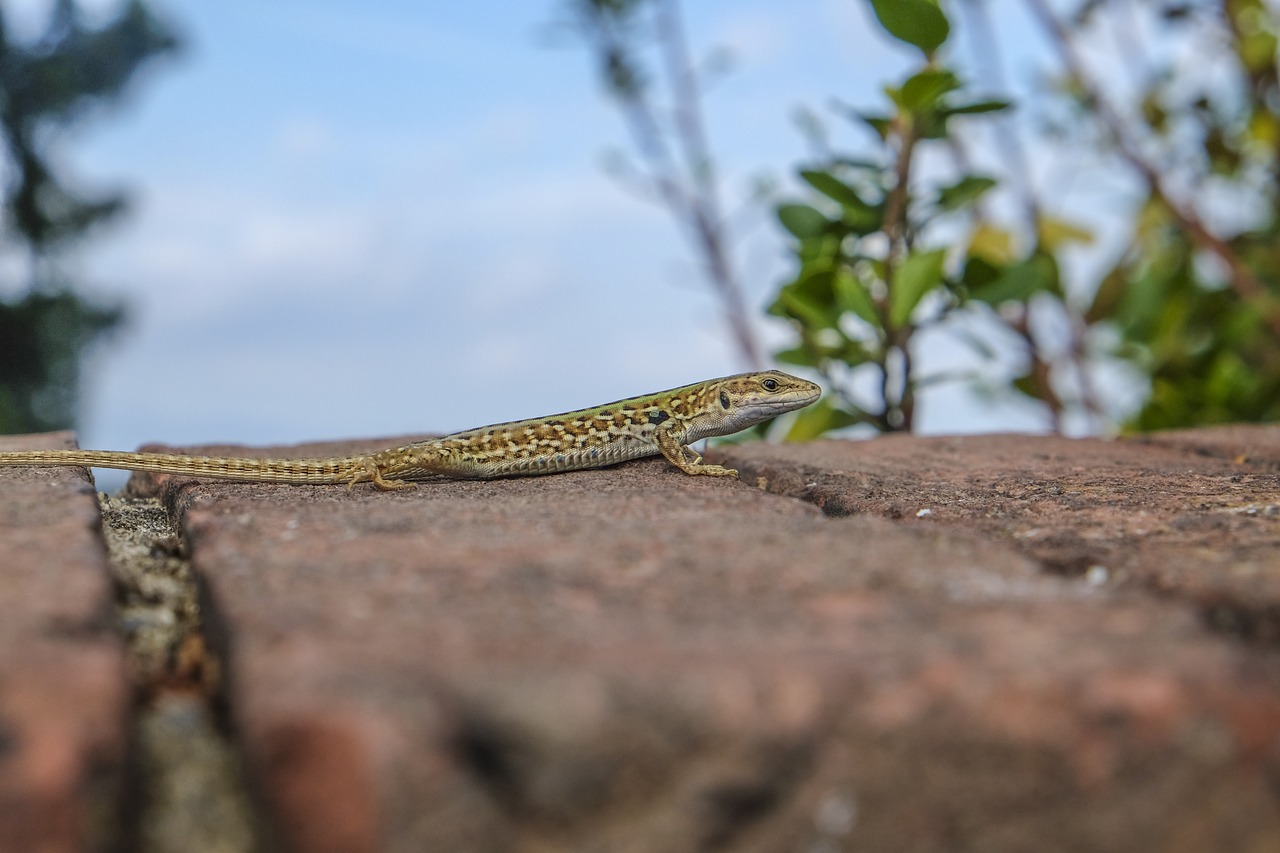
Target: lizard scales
{"x": 663, "y": 423}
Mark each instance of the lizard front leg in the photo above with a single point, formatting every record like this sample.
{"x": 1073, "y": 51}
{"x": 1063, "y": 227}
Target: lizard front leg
{"x": 685, "y": 459}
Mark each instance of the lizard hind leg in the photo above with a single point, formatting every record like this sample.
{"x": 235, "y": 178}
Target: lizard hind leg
{"x": 370, "y": 472}
{"x": 388, "y": 484}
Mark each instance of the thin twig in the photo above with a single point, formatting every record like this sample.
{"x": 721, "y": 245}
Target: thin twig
{"x": 687, "y": 186}
{"x": 987, "y": 55}
{"x": 896, "y": 231}
{"x": 704, "y": 208}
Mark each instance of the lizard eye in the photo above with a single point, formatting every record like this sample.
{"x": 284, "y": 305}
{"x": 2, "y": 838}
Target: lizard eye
{"x": 770, "y": 384}
{"x": 724, "y": 400}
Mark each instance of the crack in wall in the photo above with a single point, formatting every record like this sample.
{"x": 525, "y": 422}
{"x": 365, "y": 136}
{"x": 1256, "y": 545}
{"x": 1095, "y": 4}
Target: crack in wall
{"x": 188, "y": 790}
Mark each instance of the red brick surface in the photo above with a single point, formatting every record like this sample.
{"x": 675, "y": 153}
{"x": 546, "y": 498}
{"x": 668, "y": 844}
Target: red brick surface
{"x": 632, "y": 659}
{"x": 1192, "y": 513}
{"x": 63, "y": 692}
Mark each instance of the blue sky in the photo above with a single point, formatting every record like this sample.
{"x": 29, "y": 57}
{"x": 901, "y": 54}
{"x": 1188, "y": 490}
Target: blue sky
{"x": 356, "y": 219}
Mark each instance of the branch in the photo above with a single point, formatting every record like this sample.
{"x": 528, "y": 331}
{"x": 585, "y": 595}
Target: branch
{"x": 986, "y": 53}
{"x": 704, "y": 207}
{"x": 687, "y": 186}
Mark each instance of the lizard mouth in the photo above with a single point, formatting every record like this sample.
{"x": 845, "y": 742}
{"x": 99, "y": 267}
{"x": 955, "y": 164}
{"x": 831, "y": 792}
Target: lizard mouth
{"x": 781, "y": 405}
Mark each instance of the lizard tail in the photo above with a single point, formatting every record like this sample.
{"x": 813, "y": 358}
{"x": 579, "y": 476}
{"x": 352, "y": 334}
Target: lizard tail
{"x": 324, "y": 471}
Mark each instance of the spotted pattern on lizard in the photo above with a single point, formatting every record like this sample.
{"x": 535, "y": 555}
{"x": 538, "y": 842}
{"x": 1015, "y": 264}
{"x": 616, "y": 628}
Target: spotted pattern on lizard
{"x": 664, "y": 423}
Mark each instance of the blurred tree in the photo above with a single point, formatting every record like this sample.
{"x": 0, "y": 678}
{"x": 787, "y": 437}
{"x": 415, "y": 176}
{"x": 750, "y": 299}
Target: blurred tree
{"x": 45, "y": 87}
{"x": 644, "y": 63}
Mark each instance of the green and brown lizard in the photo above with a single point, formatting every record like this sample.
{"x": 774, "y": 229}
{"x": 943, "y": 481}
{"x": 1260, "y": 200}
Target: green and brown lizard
{"x": 663, "y": 423}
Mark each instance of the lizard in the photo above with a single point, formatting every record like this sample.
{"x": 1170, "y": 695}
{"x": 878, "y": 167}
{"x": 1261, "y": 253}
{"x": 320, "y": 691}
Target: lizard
{"x": 664, "y": 423}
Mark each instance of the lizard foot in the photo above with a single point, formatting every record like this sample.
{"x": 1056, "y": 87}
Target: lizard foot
{"x": 383, "y": 484}
{"x": 711, "y": 471}
{"x": 373, "y": 474}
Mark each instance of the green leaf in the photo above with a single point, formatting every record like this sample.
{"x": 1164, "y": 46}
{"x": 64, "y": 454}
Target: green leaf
{"x": 976, "y": 107}
{"x": 882, "y": 125}
{"x": 863, "y": 220}
{"x": 964, "y": 191}
{"x": 818, "y": 288}
{"x": 1257, "y": 49}
{"x": 821, "y": 251}
{"x": 1020, "y": 281}
{"x": 979, "y": 272}
{"x": 932, "y": 125}
{"x": 917, "y": 22}
{"x": 802, "y": 220}
{"x": 799, "y": 308}
{"x": 875, "y": 167}
{"x": 851, "y": 295}
{"x": 821, "y": 417}
{"x": 921, "y": 92}
{"x": 1107, "y": 297}
{"x": 1226, "y": 372}
{"x": 832, "y": 187}
{"x": 1027, "y": 385}
{"x": 918, "y": 274}
{"x": 861, "y": 217}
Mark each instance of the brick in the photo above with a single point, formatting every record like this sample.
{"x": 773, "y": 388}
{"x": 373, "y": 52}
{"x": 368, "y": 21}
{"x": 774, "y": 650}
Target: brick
{"x": 632, "y": 659}
{"x": 64, "y": 697}
{"x": 1189, "y": 513}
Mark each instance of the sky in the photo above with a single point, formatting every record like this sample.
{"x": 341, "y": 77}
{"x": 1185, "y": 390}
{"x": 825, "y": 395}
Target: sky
{"x": 358, "y": 220}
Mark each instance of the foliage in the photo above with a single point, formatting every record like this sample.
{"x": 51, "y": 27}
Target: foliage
{"x": 881, "y": 256}
{"x": 43, "y": 335}
{"x": 1197, "y": 312}
{"x": 878, "y": 257}
{"x": 45, "y": 88}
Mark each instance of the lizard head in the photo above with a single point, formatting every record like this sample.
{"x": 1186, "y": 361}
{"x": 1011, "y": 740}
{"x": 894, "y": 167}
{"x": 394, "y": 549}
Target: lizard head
{"x": 737, "y": 402}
